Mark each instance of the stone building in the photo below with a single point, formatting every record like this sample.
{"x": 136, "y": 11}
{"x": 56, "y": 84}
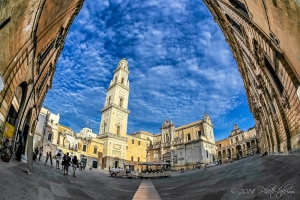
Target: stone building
{"x": 265, "y": 41}
{"x": 32, "y": 35}
{"x": 239, "y": 144}
{"x": 113, "y": 125}
{"x": 46, "y": 131}
{"x": 184, "y": 146}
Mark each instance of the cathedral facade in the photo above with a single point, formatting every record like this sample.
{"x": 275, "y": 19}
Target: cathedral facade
{"x": 184, "y": 146}
{"x": 265, "y": 42}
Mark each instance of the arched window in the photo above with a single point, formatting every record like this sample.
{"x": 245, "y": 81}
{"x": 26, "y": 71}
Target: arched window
{"x": 199, "y": 134}
{"x": 122, "y": 81}
{"x": 121, "y": 101}
{"x": 104, "y": 127}
{"x": 49, "y": 136}
{"x": 206, "y": 153}
{"x": 118, "y": 130}
{"x": 188, "y": 137}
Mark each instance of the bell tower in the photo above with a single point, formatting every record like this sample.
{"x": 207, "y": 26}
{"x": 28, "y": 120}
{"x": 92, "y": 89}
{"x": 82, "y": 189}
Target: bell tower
{"x": 115, "y": 111}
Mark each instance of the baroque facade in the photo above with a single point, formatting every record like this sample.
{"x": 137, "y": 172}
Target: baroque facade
{"x": 32, "y": 37}
{"x": 239, "y": 144}
{"x": 185, "y": 146}
{"x": 265, "y": 41}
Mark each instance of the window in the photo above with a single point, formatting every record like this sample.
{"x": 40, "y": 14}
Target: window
{"x": 50, "y": 136}
{"x": 84, "y": 147}
{"x": 235, "y": 25}
{"x": 188, "y": 137}
{"x": 139, "y": 143}
{"x": 109, "y": 98}
{"x": 122, "y": 81}
{"x": 138, "y": 159}
{"x": 199, "y": 134}
{"x": 116, "y": 79}
{"x": 219, "y": 145}
{"x": 51, "y": 121}
{"x": 239, "y": 5}
{"x": 121, "y": 101}
{"x": 206, "y": 153}
{"x": 231, "y": 141}
{"x": 118, "y": 130}
{"x": 132, "y": 141}
{"x": 104, "y": 126}
{"x": 273, "y": 75}
{"x": 95, "y": 150}
{"x": 126, "y": 147}
{"x": 237, "y": 139}
{"x": 45, "y": 53}
{"x": 131, "y": 158}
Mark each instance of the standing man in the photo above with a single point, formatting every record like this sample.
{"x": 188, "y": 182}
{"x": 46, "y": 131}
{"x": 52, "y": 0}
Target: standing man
{"x": 66, "y": 162}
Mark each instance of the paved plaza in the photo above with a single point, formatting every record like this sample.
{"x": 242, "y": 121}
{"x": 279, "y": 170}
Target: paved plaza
{"x": 269, "y": 177}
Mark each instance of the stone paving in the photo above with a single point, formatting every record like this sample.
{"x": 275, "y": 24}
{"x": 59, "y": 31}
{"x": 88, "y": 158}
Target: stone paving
{"x": 249, "y": 178}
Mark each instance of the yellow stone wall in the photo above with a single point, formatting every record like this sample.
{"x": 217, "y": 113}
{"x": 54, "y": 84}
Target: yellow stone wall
{"x": 136, "y": 150}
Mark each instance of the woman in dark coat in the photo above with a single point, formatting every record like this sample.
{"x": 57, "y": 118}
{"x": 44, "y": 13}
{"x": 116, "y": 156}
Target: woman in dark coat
{"x": 74, "y": 165}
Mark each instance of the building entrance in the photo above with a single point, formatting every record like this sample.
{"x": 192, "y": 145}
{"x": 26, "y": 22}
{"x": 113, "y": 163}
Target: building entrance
{"x": 95, "y": 164}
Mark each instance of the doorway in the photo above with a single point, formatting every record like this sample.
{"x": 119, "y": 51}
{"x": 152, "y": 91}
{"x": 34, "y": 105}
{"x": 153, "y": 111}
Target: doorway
{"x": 116, "y": 163}
{"x": 95, "y": 164}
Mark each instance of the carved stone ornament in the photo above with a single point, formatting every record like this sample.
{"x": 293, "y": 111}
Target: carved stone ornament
{"x": 285, "y": 100}
{"x": 117, "y": 146}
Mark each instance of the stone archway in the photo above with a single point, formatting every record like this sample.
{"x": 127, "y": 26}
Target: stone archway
{"x": 238, "y": 152}
{"x": 16, "y": 112}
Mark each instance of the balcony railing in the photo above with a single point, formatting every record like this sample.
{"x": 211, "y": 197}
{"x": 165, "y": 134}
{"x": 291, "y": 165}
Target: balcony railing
{"x": 115, "y": 106}
{"x": 112, "y": 135}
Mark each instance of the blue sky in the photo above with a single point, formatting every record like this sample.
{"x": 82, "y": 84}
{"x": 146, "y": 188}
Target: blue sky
{"x": 180, "y": 66}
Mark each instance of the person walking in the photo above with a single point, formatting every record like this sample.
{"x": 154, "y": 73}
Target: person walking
{"x": 57, "y": 157}
{"x": 47, "y": 157}
{"x": 41, "y": 153}
{"x": 74, "y": 165}
{"x": 66, "y": 163}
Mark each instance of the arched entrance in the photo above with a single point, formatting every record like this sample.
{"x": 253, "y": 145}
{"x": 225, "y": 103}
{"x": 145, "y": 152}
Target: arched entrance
{"x": 167, "y": 159}
{"x": 94, "y": 163}
{"x": 15, "y": 113}
{"x": 219, "y": 155}
{"x": 238, "y": 152}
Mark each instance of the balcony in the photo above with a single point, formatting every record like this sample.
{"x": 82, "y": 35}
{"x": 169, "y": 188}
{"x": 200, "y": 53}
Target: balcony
{"x": 115, "y": 106}
{"x": 112, "y": 136}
